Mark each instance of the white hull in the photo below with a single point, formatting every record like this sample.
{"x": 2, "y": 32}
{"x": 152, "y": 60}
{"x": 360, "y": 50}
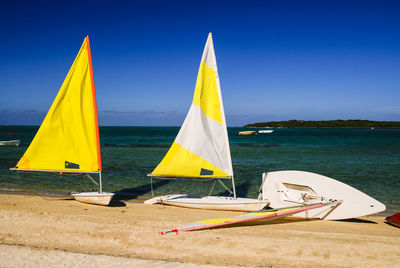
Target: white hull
{"x": 266, "y": 131}
{"x": 210, "y": 202}
{"x": 288, "y": 188}
{"x": 94, "y": 197}
{"x": 10, "y": 143}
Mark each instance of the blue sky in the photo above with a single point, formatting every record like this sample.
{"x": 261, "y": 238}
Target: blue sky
{"x": 277, "y": 60}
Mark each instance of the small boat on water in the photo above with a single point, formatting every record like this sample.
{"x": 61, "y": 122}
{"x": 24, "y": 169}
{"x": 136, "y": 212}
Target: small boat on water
{"x": 246, "y": 133}
{"x": 254, "y": 132}
{"x": 266, "y": 131}
{"x": 10, "y": 143}
{"x": 67, "y": 141}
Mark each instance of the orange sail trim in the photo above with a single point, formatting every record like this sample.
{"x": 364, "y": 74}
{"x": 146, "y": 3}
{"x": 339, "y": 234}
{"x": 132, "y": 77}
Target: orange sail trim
{"x": 94, "y": 104}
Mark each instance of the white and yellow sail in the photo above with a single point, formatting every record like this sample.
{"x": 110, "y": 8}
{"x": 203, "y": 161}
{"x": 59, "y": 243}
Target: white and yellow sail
{"x": 201, "y": 148}
{"x": 68, "y": 139}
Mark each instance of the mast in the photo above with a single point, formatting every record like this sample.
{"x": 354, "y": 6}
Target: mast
{"x": 233, "y": 187}
{"x": 224, "y": 120}
{"x": 100, "y": 185}
{"x": 96, "y": 119}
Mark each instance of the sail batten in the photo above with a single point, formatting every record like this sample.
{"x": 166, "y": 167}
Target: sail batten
{"x": 201, "y": 148}
{"x": 68, "y": 138}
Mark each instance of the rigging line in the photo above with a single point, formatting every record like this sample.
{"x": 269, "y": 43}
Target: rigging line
{"x": 151, "y": 185}
{"x": 212, "y": 187}
{"x": 226, "y": 188}
{"x": 87, "y": 185}
{"x": 332, "y": 208}
{"x": 31, "y": 190}
{"x": 89, "y": 177}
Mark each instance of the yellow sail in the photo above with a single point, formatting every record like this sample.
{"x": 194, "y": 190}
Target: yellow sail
{"x": 201, "y": 148}
{"x": 68, "y": 139}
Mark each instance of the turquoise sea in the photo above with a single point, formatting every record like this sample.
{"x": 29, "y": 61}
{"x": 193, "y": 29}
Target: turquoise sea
{"x": 367, "y": 159}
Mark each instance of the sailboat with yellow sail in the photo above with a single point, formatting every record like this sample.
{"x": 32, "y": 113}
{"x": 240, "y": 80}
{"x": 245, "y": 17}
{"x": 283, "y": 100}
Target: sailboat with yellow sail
{"x": 68, "y": 141}
{"x": 201, "y": 148}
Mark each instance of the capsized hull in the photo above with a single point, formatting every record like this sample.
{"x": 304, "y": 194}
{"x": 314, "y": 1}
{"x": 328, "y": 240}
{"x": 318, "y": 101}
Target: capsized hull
{"x": 210, "y": 202}
{"x": 93, "y": 197}
{"x": 292, "y": 187}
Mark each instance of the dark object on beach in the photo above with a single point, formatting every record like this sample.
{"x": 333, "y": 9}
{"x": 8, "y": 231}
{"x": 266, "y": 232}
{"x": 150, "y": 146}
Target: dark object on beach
{"x": 394, "y": 219}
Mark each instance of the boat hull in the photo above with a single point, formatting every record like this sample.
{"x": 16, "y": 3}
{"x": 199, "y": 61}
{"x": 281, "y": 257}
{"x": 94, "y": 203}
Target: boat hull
{"x": 93, "y": 198}
{"x": 245, "y": 133}
{"x": 266, "y": 131}
{"x": 210, "y": 202}
{"x": 290, "y": 187}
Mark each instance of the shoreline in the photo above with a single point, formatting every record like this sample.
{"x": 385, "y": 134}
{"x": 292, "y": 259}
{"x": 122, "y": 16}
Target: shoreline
{"x": 136, "y": 199}
{"x": 131, "y": 231}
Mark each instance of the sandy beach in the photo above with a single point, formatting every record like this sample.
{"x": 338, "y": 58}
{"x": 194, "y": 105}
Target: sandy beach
{"x": 42, "y": 231}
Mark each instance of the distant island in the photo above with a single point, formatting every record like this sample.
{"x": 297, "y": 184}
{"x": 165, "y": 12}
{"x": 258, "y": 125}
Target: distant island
{"x": 327, "y": 124}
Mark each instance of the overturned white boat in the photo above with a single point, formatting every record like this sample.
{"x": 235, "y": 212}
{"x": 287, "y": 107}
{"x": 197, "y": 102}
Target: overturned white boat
{"x": 290, "y": 187}
{"x": 201, "y": 148}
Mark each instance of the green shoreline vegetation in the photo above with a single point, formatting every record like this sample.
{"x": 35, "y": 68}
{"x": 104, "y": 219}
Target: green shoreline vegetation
{"x": 326, "y": 124}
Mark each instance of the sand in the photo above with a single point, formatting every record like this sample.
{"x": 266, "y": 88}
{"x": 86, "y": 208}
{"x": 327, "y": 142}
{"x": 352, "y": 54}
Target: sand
{"x": 49, "y": 232}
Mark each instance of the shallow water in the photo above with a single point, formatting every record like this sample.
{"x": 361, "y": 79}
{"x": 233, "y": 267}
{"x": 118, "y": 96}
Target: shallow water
{"x": 366, "y": 159}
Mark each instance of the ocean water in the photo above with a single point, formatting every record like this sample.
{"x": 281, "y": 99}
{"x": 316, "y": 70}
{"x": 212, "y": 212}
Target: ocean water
{"x": 367, "y": 159}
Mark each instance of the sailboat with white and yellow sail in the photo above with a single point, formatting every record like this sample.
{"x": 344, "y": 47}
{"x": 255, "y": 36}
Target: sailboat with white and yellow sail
{"x": 201, "y": 148}
{"x": 68, "y": 141}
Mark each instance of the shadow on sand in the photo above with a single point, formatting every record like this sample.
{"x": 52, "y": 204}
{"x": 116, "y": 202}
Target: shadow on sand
{"x": 358, "y": 221}
{"x": 133, "y": 193}
{"x": 395, "y": 226}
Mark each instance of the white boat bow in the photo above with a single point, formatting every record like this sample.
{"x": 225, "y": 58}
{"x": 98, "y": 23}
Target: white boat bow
{"x": 96, "y": 198}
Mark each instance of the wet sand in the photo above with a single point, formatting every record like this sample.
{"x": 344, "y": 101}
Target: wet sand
{"x": 41, "y": 232}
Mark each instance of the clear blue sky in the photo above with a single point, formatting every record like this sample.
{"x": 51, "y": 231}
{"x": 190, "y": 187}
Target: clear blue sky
{"x": 278, "y": 60}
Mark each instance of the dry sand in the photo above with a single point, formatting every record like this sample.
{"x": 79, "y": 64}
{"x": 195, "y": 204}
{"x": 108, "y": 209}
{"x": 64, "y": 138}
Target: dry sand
{"x": 47, "y": 232}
